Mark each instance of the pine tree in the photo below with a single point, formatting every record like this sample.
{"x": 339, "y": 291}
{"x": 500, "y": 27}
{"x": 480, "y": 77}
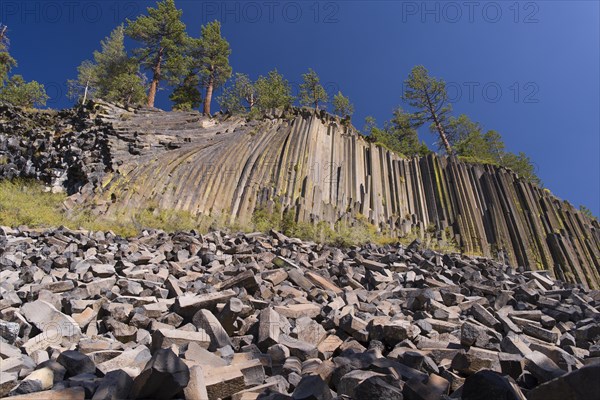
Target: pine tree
{"x": 522, "y": 166}
{"x": 467, "y": 140}
{"x": 23, "y": 94}
{"x": 342, "y": 105}
{"x": 86, "y": 84}
{"x": 428, "y": 96}
{"x": 127, "y": 88}
{"x": 458, "y": 129}
{"x": 370, "y": 125}
{"x": 587, "y": 212}
{"x": 164, "y": 40}
{"x": 239, "y": 97}
{"x": 401, "y": 128}
{"x": 214, "y": 63}
{"x": 6, "y": 61}
{"x": 112, "y": 76}
{"x": 15, "y": 90}
{"x": 471, "y": 145}
{"x": 495, "y": 145}
{"x": 273, "y": 91}
{"x": 311, "y": 91}
{"x": 398, "y": 135}
{"x": 187, "y": 96}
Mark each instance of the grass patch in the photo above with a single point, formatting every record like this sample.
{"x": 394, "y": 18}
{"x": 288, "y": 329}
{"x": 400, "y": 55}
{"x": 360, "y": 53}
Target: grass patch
{"x": 477, "y": 160}
{"x": 342, "y": 234}
{"x": 429, "y": 240}
{"x": 27, "y": 203}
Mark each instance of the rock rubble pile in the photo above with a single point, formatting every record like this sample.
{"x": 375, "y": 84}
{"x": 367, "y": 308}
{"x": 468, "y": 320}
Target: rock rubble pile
{"x": 87, "y": 315}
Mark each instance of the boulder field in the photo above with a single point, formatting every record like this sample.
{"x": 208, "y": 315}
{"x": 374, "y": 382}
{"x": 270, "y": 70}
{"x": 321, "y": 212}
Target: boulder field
{"x": 89, "y": 315}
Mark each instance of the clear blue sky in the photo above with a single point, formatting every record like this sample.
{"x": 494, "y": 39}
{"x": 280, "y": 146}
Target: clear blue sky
{"x": 528, "y": 69}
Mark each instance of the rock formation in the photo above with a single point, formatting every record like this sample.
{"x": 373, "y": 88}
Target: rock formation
{"x": 263, "y": 316}
{"x": 311, "y": 165}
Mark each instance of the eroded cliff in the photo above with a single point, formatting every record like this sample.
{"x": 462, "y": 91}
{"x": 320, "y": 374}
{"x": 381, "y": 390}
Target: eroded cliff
{"x": 317, "y": 168}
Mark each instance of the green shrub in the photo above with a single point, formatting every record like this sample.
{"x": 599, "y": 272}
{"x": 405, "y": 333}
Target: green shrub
{"x": 264, "y": 221}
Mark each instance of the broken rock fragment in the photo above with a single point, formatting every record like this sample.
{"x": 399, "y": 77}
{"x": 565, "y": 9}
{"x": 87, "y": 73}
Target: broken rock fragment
{"x": 255, "y": 316}
{"x": 163, "y": 377}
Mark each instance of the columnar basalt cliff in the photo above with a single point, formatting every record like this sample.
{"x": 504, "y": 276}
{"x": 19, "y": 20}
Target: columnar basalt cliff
{"x": 321, "y": 170}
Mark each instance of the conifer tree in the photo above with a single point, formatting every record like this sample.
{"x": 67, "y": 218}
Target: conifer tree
{"x": 495, "y": 145}
{"x": 6, "y": 61}
{"x": 521, "y": 165}
{"x": 239, "y": 96}
{"x": 214, "y": 62}
{"x": 428, "y": 96}
{"x": 23, "y": 94}
{"x": 397, "y": 135}
{"x": 401, "y": 128}
{"x": 273, "y": 91}
{"x": 86, "y": 84}
{"x": 15, "y": 90}
{"x": 164, "y": 41}
{"x": 342, "y": 105}
{"x": 187, "y": 96}
{"x": 112, "y": 76}
{"x": 311, "y": 91}
{"x": 470, "y": 144}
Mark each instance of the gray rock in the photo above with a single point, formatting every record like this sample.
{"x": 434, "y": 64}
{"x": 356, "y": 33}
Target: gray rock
{"x": 57, "y": 327}
{"x": 163, "y": 377}
{"x": 312, "y": 387}
{"x": 9, "y": 331}
{"x": 116, "y": 385}
{"x": 490, "y": 385}
{"x": 542, "y": 367}
{"x": 377, "y": 388}
{"x": 76, "y": 363}
{"x": 205, "y": 321}
{"x": 577, "y": 385}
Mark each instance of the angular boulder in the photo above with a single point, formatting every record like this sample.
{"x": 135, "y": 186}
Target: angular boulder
{"x": 164, "y": 376}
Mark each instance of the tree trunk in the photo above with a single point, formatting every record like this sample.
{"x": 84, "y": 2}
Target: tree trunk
{"x": 208, "y": 98}
{"x": 155, "y": 79}
{"x": 440, "y": 130}
{"x": 152, "y": 92}
{"x": 438, "y": 126}
{"x": 85, "y": 93}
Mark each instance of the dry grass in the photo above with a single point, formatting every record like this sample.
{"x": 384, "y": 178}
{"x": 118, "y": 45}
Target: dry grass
{"x": 28, "y": 203}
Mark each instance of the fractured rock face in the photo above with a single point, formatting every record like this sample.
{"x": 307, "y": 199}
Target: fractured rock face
{"x": 227, "y": 165}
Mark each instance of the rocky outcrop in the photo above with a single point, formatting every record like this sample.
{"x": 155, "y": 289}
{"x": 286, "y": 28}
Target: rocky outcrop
{"x": 320, "y": 170}
{"x": 67, "y": 150}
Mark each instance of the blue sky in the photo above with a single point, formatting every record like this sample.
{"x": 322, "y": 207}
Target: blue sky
{"x": 528, "y": 69}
